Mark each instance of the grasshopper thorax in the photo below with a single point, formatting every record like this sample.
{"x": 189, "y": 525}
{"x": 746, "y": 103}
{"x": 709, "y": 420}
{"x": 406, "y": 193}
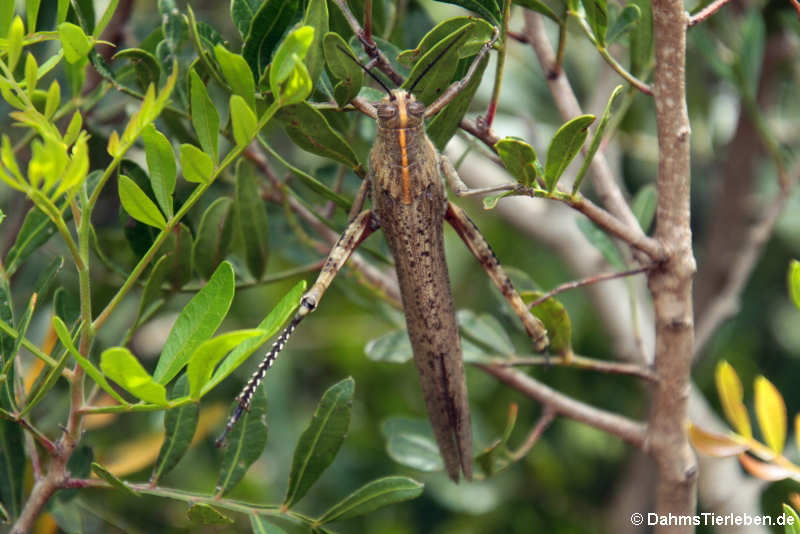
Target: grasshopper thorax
{"x": 400, "y": 110}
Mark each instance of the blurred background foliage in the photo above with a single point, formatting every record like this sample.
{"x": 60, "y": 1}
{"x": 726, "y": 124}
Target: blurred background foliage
{"x": 570, "y": 481}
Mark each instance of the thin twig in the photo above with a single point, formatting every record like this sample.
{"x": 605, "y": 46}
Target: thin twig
{"x": 581, "y": 362}
{"x": 709, "y": 10}
{"x": 589, "y": 280}
{"x": 372, "y": 50}
{"x": 633, "y": 235}
{"x": 545, "y": 420}
{"x": 626, "y": 429}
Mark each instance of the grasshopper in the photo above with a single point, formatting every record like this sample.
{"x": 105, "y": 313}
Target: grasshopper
{"x": 410, "y": 204}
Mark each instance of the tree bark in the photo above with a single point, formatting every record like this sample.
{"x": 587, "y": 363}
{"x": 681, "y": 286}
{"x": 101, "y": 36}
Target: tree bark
{"x": 671, "y": 284}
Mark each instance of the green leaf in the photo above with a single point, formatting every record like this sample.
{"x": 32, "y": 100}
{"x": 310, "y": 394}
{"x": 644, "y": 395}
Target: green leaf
{"x": 205, "y": 119}
{"x": 162, "y": 166}
{"x": 539, "y": 7}
{"x": 644, "y": 204}
{"x": 66, "y": 339}
{"x": 113, "y": 481}
{"x": 179, "y": 425}
{"x": 747, "y": 63}
{"x": 197, "y": 322}
{"x": 67, "y": 306}
{"x": 597, "y": 138}
{"x": 15, "y": 40}
{"x": 6, "y": 16}
{"x": 490, "y": 201}
{"x": 138, "y": 205}
{"x": 105, "y": 19}
{"x": 31, "y": 78}
{"x": 597, "y": 15}
{"x": 238, "y": 74}
{"x": 601, "y": 242}
{"x": 519, "y": 159}
{"x": 13, "y": 463}
{"x": 245, "y": 443}
{"x": 196, "y": 165}
{"x": 277, "y": 524}
{"x": 178, "y": 249}
{"x": 410, "y": 442}
{"x": 270, "y": 325}
{"x": 32, "y": 13}
{"x": 206, "y": 357}
{"x": 438, "y": 79}
{"x": 486, "y": 331}
{"x": 392, "y": 347}
{"x": 245, "y": 123}
{"x": 267, "y": 27}
{"x": 794, "y": 282}
{"x": 373, "y": 495}
{"x": 36, "y": 230}
{"x": 311, "y": 131}
{"x": 251, "y": 220}
{"x": 321, "y": 440}
{"x": 771, "y": 414}
{"x": 122, "y": 367}
{"x": 566, "y": 144}
{"x": 213, "y": 238}
{"x": 151, "y": 297}
{"x": 53, "y": 101}
{"x": 289, "y": 79}
{"x": 316, "y": 16}
{"x": 488, "y": 9}
{"x": 556, "y": 320}
{"x": 792, "y": 527}
{"x": 75, "y": 43}
{"x": 445, "y": 124}
{"x": 483, "y": 31}
{"x": 346, "y": 72}
{"x": 625, "y": 22}
{"x": 242, "y": 13}
{"x": 641, "y": 38}
{"x": 205, "y": 514}
{"x": 147, "y": 68}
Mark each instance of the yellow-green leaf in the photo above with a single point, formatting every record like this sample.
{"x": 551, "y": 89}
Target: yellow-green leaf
{"x": 245, "y": 124}
{"x": 76, "y": 44}
{"x": 729, "y": 388}
{"x": 118, "y": 364}
{"x": 15, "y": 37}
{"x": 771, "y": 414}
{"x": 794, "y": 282}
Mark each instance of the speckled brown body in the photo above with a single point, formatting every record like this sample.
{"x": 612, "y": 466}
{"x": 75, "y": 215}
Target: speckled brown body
{"x": 410, "y": 203}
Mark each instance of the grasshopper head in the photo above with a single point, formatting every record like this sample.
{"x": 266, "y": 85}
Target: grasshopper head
{"x": 400, "y": 109}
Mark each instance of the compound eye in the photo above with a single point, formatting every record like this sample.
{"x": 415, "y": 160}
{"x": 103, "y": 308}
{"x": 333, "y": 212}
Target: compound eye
{"x": 416, "y": 108}
{"x": 386, "y": 111}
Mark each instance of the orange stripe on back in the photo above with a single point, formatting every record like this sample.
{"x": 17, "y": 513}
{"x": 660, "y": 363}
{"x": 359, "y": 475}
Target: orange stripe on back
{"x": 401, "y": 139}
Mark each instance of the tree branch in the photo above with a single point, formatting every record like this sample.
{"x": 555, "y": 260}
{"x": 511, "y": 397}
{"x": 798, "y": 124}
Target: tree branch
{"x": 671, "y": 284}
{"x": 626, "y": 429}
{"x": 582, "y": 362}
{"x": 567, "y": 103}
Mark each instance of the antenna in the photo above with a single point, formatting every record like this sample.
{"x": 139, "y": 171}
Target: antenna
{"x": 365, "y": 69}
{"x": 436, "y": 60}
